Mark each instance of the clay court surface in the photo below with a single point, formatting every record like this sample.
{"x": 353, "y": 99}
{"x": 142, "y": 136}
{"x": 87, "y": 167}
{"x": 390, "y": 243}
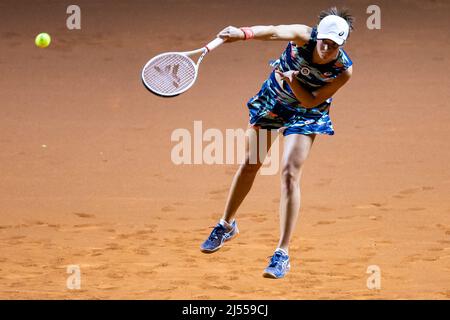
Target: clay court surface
{"x": 87, "y": 178}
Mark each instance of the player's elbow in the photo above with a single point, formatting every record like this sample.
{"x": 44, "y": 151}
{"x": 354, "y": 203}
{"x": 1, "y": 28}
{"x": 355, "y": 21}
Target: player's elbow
{"x": 306, "y": 101}
{"x": 311, "y": 101}
{"x": 277, "y": 32}
{"x": 270, "y": 33}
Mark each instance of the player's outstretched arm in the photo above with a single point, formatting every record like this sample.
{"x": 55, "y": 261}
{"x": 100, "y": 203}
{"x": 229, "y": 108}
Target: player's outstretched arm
{"x": 298, "y": 33}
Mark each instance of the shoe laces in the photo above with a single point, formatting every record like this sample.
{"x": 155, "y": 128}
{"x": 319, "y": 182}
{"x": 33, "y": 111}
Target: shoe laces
{"x": 275, "y": 258}
{"x": 217, "y": 232}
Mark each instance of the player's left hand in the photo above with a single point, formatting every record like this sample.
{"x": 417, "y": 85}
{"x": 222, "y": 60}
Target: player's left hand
{"x": 288, "y": 75}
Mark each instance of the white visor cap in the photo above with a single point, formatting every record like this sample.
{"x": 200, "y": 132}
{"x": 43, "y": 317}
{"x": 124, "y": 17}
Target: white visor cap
{"x": 334, "y": 28}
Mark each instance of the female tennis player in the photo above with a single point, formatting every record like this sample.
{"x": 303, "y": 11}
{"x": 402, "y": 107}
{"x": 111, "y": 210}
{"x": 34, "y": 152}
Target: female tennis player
{"x": 295, "y": 99}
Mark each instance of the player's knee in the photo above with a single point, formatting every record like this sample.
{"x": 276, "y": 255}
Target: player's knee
{"x": 249, "y": 167}
{"x": 290, "y": 176}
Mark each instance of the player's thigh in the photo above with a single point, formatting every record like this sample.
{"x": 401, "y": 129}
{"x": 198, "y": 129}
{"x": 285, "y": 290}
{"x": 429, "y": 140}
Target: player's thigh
{"x": 257, "y": 143}
{"x": 296, "y": 150}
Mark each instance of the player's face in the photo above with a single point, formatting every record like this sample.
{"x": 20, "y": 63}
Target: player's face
{"x": 327, "y": 49}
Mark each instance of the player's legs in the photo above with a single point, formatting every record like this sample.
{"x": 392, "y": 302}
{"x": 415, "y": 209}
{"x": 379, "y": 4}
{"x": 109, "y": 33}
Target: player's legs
{"x": 245, "y": 175}
{"x": 227, "y": 228}
{"x": 296, "y": 150}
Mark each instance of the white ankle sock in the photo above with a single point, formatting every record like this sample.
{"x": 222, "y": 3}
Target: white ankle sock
{"x": 227, "y": 225}
{"x": 282, "y": 250}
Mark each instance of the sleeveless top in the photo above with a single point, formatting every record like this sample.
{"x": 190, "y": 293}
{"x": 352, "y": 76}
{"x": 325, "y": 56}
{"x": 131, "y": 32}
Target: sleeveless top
{"x": 311, "y": 76}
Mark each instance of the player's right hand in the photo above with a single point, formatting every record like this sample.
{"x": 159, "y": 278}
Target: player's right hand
{"x": 231, "y": 34}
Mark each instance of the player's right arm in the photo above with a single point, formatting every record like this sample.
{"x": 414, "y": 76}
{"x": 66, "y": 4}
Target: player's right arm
{"x": 298, "y": 33}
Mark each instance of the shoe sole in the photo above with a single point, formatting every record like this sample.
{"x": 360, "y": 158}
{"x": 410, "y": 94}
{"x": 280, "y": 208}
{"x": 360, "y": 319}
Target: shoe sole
{"x": 215, "y": 249}
{"x": 272, "y": 276}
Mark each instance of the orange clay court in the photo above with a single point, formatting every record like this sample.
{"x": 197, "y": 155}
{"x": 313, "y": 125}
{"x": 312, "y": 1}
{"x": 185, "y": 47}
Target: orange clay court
{"x": 87, "y": 178}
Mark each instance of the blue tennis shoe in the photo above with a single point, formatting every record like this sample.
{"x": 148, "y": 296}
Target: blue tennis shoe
{"x": 278, "y": 266}
{"x": 218, "y": 236}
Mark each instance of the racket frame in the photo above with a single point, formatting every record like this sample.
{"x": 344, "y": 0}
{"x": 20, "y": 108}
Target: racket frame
{"x": 188, "y": 54}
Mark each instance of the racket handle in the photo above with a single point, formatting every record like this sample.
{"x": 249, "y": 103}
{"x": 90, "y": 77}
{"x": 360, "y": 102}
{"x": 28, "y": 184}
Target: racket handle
{"x": 214, "y": 44}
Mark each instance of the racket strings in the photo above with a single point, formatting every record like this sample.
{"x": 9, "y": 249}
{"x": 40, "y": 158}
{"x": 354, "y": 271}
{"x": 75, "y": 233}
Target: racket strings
{"x": 169, "y": 74}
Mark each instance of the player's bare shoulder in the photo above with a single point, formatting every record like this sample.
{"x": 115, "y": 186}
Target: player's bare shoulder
{"x": 347, "y": 74}
{"x": 302, "y": 34}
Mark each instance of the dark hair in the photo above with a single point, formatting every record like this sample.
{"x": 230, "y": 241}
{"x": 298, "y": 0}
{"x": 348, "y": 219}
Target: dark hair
{"x": 343, "y": 13}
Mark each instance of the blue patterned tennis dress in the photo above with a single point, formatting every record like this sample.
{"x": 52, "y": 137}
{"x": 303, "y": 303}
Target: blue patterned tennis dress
{"x": 274, "y": 107}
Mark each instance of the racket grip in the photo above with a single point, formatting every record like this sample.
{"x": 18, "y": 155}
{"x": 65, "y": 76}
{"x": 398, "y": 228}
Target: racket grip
{"x": 214, "y": 44}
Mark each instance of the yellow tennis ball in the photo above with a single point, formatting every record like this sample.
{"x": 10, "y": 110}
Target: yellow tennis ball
{"x": 43, "y": 40}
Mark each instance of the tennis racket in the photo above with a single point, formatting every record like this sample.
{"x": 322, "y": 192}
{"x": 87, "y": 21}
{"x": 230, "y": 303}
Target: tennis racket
{"x": 172, "y": 73}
